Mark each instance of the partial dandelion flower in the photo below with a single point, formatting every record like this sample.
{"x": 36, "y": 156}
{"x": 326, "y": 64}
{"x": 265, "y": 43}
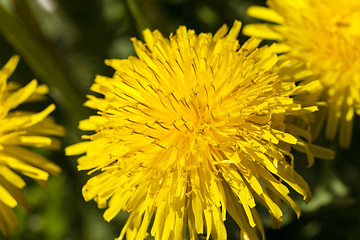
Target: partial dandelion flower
{"x": 324, "y": 35}
{"x": 20, "y": 130}
{"x": 191, "y": 129}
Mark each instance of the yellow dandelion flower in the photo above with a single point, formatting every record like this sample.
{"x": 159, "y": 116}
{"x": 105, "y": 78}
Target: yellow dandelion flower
{"x": 325, "y": 36}
{"x": 191, "y": 129}
{"x": 20, "y": 129}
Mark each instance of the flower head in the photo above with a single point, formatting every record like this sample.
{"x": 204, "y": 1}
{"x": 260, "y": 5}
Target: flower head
{"x": 325, "y": 36}
{"x": 191, "y": 129}
{"x": 20, "y": 129}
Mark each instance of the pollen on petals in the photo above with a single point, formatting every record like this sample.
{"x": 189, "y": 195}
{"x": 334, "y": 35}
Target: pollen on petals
{"x": 191, "y": 129}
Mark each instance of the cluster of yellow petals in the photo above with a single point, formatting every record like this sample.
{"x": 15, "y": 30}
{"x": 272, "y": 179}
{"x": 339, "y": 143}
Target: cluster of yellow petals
{"x": 19, "y": 130}
{"x": 191, "y": 129}
{"x": 324, "y": 35}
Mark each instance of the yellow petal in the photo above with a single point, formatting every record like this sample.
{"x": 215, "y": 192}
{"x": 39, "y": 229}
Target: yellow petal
{"x": 21, "y": 95}
{"x": 77, "y": 148}
{"x": 6, "y": 198}
{"x": 264, "y": 13}
{"x": 264, "y": 31}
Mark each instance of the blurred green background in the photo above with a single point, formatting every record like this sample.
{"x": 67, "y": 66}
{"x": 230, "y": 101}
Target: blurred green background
{"x": 64, "y": 44}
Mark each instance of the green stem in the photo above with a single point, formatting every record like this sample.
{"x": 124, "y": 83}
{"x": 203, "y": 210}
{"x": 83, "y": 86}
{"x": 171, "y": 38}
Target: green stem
{"x": 42, "y": 63}
{"x": 138, "y": 17}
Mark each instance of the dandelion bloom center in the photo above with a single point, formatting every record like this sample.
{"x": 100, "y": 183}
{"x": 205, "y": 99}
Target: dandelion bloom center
{"x": 332, "y": 33}
{"x": 191, "y": 129}
{"x": 324, "y": 36}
